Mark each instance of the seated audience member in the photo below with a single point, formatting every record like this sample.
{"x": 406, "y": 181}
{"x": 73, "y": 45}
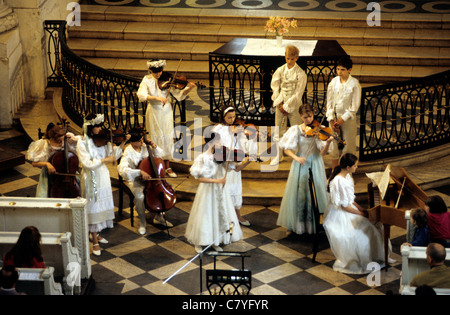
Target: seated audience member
{"x": 8, "y": 280}
{"x": 439, "y": 274}
{"x": 26, "y": 253}
{"x": 419, "y": 218}
{"x": 438, "y": 220}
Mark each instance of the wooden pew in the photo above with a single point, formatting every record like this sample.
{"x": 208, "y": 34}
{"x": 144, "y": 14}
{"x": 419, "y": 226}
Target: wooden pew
{"x": 50, "y": 215}
{"x": 58, "y": 252}
{"x": 37, "y": 281}
{"x": 414, "y": 261}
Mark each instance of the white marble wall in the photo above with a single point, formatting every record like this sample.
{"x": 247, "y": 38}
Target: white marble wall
{"x": 23, "y": 50}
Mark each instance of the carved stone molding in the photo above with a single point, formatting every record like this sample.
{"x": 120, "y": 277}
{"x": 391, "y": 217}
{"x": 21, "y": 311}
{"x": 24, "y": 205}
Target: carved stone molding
{"x": 8, "y": 18}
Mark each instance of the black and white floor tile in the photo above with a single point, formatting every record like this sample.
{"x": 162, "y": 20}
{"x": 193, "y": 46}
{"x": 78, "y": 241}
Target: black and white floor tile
{"x": 280, "y": 262}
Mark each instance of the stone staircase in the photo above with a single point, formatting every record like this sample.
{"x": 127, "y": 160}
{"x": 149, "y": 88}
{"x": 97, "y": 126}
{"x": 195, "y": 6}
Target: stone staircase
{"x": 123, "y": 38}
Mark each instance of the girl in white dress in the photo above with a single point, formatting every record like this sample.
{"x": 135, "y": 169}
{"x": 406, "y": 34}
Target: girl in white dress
{"x": 354, "y": 240}
{"x": 159, "y": 114}
{"x": 233, "y": 137}
{"x": 296, "y": 212}
{"x": 212, "y": 213}
{"x": 41, "y": 151}
{"x": 95, "y": 179}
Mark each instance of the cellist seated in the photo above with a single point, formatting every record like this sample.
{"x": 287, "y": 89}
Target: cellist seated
{"x": 135, "y": 178}
{"x": 40, "y": 153}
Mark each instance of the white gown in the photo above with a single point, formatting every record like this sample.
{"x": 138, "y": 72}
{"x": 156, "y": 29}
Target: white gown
{"x": 159, "y": 118}
{"x": 212, "y": 210}
{"x": 354, "y": 240}
{"x": 234, "y": 179}
{"x": 96, "y": 183}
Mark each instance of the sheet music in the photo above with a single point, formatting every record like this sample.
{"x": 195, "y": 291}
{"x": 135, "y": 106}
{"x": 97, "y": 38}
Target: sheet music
{"x": 268, "y": 47}
{"x": 381, "y": 180}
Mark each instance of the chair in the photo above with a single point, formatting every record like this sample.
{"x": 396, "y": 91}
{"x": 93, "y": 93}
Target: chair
{"x": 318, "y": 227}
{"x": 123, "y": 187}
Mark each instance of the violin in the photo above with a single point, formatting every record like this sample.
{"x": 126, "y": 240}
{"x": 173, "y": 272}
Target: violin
{"x": 324, "y": 133}
{"x": 250, "y": 130}
{"x": 64, "y": 184}
{"x": 166, "y": 80}
{"x": 104, "y": 136}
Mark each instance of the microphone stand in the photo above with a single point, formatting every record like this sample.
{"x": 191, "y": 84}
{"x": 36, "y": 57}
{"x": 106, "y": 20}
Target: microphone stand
{"x": 200, "y": 255}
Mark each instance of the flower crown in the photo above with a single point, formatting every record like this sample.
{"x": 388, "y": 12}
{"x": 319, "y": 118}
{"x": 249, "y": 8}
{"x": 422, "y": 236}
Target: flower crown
{"x": 156, "y": 63}
{"x": 95, "y": 121}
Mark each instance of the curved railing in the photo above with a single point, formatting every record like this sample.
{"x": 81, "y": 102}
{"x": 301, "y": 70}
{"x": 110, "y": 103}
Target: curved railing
{"x": 88, "y": 88}
{"x": 395, "y": 119}
{"x": 404, "y": 117}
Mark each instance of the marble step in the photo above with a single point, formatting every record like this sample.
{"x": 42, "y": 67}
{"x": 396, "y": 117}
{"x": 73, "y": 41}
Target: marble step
{"x": 199, "y": 51}
{"x": 259, "y": 17}
{"x": 217, "y": 33}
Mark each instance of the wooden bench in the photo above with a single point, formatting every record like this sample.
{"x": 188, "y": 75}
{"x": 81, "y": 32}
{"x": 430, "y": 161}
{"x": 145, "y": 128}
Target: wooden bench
{"x": 50, "y": 215}
{"x": 37, "y": 281}
{"x": 414, "y": 261}
{"x": 58, "y": 252}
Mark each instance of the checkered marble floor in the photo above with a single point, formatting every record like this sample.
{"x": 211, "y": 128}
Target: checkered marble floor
{"x": 280, "y": 262}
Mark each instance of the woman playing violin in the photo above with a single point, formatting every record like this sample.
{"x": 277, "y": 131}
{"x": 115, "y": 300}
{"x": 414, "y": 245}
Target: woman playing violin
{"x": 135, "y": 177}
{"x": 41, "y": 151}
{"x": 159, "y": 114}
{"x": 296, "y": 213}
{"x": 95, "y": 178}
{"x": 234, "y": 138}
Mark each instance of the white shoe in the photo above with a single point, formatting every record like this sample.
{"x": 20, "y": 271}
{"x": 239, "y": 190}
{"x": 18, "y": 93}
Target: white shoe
{"x": 171, "y": 173}
{"x": 142, "y": 230}
{"x": 198, "y": 249}
{"x": 99, "y": 239}
{"x": 159, "y": 219}
{"x": 102, "y": 240}
{"x": 96, "y": 252}
{"x": 217, "y": 248}
{"x": 244, "y": 223}
{"x": 391, "y": 260}
{"x": 275, "y": 161}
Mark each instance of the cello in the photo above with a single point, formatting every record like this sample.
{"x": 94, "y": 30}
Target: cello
{"x": 66, "y": 163}
{"x": 159, "y": 195}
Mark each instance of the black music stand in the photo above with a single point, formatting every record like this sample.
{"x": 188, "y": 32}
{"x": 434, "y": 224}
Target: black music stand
{"x": 316, "y": 216}
{"x": 237, "y": 279}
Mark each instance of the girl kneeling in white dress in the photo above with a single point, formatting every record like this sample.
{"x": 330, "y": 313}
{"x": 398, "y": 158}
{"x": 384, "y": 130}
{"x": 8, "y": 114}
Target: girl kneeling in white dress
{"x": 212, "y": 213}
{"x": 354, "y": 240}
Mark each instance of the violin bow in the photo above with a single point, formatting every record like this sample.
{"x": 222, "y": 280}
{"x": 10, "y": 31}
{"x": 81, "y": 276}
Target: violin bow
{"x": 175, "y": 74}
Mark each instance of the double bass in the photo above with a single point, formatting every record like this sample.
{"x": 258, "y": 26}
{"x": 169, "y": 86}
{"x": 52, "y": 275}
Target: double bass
{"x": 64, "y": 183}
{"x": 159, "y": 195}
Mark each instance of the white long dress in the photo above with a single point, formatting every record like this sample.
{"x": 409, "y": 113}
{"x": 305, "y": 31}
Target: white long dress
{"x": 159, "y": 118}
{"x": 96, "y": 183}
{"x": 240, "y": 142}
{"x": 354, "y": 240}
{"x": 42, "y": 151}
{"x": 296, "y": 212}
{"x": 212, "y": 210}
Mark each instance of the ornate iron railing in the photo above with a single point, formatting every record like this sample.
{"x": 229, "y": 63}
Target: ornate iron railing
{"x": 395, "y": 119}
{"x": 404, "y": 117}
{"x": 88, "y": 88}
{"x": 244, "y": 82}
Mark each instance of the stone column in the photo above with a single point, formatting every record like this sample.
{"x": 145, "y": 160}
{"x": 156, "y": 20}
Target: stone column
{"x": 11, "y": 78}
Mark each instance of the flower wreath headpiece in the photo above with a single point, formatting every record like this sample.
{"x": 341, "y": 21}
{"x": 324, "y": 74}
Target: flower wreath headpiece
{"x": 99, "y": 119}
{"x": 156, "y": 63}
